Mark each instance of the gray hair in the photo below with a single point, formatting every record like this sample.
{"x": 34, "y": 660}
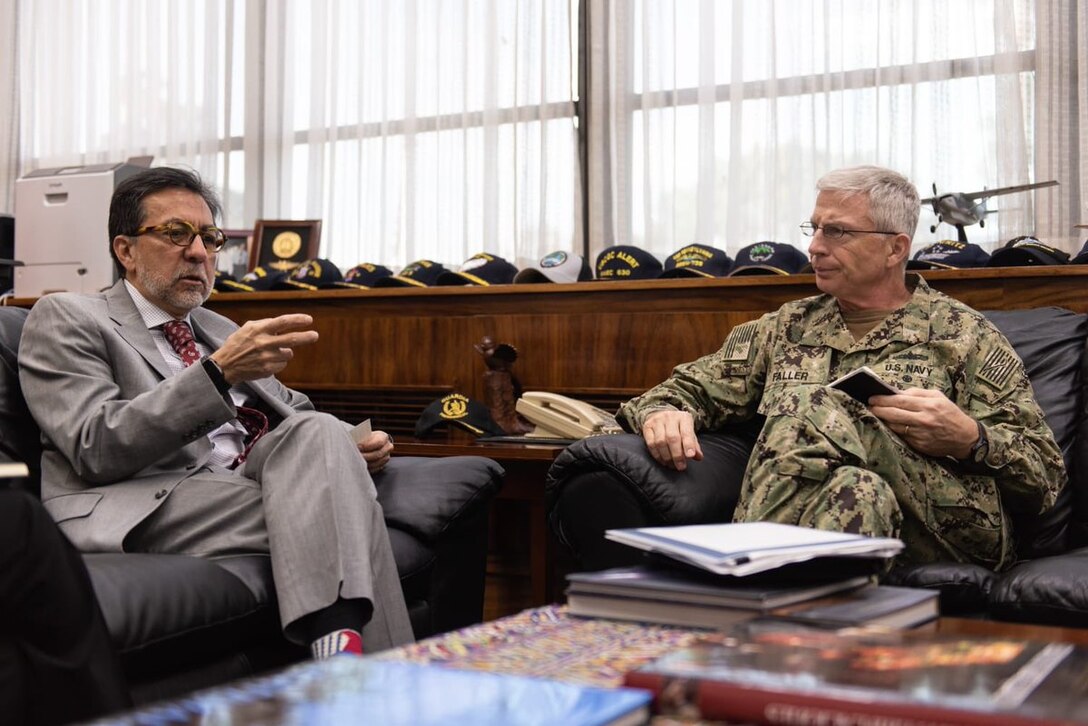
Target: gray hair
{"x": 894, "y": 204}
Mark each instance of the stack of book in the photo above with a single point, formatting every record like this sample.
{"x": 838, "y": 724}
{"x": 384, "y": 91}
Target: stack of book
{"x": 655, "y": 594}
{"x": 714, "y": 576}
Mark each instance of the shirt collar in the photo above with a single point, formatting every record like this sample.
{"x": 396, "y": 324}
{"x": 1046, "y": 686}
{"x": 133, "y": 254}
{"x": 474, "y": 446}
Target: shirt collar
{"x": 153, "y": 316}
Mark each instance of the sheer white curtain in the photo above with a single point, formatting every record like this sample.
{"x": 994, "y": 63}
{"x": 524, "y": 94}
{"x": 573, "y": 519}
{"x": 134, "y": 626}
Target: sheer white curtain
{"x": 1062, "y": 142}
{"x": 718, "y": 117}
{"x": 420, "y": 129}
{"x": 413, "y": 129}
{"x": 9, "y": 105}
{"x": 102, "y": 81}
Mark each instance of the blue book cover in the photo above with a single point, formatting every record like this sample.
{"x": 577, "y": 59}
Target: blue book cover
{"x": 349, "y": 690}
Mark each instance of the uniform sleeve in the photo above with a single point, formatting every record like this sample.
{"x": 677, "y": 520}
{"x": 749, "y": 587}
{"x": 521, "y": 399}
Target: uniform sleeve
{"x": 717, "y": 389}
{"x": 1027, "y": 463}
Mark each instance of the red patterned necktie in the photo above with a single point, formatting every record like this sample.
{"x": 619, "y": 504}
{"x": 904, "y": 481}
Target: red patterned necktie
{"x": 180, "y": 336}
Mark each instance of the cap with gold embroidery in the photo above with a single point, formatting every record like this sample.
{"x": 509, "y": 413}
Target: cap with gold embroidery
{"x": 1027, "y": 250}
{"x": 362, "y": 276}
{"x": 225, "y": 282}
{"x": 626, "y": 262}
{"x": 697, "y": 261}
{"x": 421, "y": 273}
{"x": 461, "y": 411}
{"x": 261, "y": 278}
{"x": 310, "y": 275}
{"x": 480, "y": 269}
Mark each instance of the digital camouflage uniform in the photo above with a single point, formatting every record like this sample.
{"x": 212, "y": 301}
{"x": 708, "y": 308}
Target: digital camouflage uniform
{"x": 824, "y": 460}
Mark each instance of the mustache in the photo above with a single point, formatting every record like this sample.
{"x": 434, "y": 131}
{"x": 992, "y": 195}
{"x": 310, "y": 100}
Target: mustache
{"x": 197, "y": 272}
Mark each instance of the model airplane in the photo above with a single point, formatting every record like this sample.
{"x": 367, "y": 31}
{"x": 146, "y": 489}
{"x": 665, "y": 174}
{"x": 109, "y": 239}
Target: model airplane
{"x": 962, "y": 210}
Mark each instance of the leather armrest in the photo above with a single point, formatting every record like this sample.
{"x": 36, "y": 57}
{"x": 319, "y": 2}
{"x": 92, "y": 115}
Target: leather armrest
{"x": 612, "y": 482}
{"x": 1050, "y": 590}
{"x": 964, "y": 588}
{"x": 429, "y": 497}
{"x": 706, "y": 491}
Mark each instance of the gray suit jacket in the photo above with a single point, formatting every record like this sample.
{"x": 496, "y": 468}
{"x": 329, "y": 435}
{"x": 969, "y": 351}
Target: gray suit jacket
{"x": 118, "y": 431}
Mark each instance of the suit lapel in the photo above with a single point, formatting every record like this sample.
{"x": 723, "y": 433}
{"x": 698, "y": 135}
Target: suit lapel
{"x": 132, "y": 328}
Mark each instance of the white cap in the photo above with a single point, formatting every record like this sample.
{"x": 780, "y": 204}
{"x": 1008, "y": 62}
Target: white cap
{"x": 557, "y": 266}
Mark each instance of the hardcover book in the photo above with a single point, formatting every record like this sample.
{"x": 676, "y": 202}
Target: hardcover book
{"x": 884, "y": 606}
{"x": 745, "y": 548}
{"x": 351, "y": 690}
{"x": 692, "y": 586}
{"x": 774, "y": 673}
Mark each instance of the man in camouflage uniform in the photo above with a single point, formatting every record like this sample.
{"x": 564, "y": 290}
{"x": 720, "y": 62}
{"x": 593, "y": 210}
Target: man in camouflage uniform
{"x": 939, "y": 465}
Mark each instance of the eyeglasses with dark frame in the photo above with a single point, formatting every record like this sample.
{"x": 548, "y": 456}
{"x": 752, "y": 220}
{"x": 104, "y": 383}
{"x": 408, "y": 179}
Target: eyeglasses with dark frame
{"x": 182, "y": 233}
{"x": 834, "y": 231}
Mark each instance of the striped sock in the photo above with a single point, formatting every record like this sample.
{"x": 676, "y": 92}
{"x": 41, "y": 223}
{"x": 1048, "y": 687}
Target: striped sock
{"x": 336, "y": 642}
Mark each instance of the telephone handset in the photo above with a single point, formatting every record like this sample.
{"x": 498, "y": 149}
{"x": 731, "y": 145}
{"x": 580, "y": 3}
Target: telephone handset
{"x": 559, "y": 417}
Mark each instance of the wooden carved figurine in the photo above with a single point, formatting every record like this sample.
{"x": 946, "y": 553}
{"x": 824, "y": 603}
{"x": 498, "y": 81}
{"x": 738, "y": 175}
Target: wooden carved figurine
{"x": 501, "y": 388}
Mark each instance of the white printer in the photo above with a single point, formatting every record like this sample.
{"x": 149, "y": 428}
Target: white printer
{"x": 61, "y": 228}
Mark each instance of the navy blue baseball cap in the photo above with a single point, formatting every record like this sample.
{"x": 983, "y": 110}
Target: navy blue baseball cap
{"x": 697, "y": 261}
{"x": 225, "y": 282}
{"x": 310, "y": 275}
{"x": 480, "y": 269}
{"x": 261, "y": 278}
{"x": 949, "y": 254}
{"x": 769, "y": 258}
{"x": 627, "y": 262}
{"x": 361, "y": 277}
{"x": 559, "y": 266}
{"x": 421, "y": 273}
{"x": 1027, "y": 250}
{"x": 461, "y": 411}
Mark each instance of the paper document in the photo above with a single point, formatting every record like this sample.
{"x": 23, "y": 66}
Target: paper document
{"x": 748, "y": 547}
{"x": 361, "y": 432}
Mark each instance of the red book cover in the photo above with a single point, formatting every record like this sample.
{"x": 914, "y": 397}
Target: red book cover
{"x": 773, "y": 673}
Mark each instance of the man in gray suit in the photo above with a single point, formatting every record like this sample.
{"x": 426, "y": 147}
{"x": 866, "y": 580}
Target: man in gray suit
{"x": 152, "y": 445}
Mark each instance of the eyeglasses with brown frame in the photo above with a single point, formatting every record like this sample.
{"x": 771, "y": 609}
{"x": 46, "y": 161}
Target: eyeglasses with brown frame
{"x": 182, "y": 233}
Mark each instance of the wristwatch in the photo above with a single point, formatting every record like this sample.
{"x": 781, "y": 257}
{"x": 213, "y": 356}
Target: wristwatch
{"x": 981, "y": 448}
{"x": 216, "y": 374}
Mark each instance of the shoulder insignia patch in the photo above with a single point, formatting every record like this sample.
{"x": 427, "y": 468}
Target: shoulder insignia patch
{"x": 997, "y": 368}
{"x": 738, "y": 346}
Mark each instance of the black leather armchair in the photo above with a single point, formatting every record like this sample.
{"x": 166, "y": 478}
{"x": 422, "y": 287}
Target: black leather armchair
{"x": 607, "y": 482}
{"x": 182, "y": 622}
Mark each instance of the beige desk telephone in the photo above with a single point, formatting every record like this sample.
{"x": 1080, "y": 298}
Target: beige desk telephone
{"x": 559, "y": 417}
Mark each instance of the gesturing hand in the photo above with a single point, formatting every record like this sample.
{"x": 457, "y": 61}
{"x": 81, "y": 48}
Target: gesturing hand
{"x": 262, "y": 348}
{"x": 670, "y": 438}
{"x": 928, "y": 421}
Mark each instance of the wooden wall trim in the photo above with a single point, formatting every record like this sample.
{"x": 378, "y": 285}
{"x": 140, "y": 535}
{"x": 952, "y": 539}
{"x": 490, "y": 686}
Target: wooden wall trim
{"x": 591, "y": 337}
{"x": 595, "y": 340}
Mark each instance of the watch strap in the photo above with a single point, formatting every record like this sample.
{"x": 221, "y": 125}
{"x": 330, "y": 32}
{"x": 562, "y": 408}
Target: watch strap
{"x": 215, "y": 373}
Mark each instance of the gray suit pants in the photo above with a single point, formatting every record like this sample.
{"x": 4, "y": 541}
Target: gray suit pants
{"x": 304, "y": 496}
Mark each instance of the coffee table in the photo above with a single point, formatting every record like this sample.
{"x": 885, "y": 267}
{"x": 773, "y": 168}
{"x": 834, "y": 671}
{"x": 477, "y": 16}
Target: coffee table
{"x": 543, "y": 642}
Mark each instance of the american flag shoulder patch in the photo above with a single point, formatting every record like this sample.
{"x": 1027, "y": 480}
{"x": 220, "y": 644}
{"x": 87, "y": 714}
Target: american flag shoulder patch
{"x": 738, "y": 346}
{"x": 998, "y": 367}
